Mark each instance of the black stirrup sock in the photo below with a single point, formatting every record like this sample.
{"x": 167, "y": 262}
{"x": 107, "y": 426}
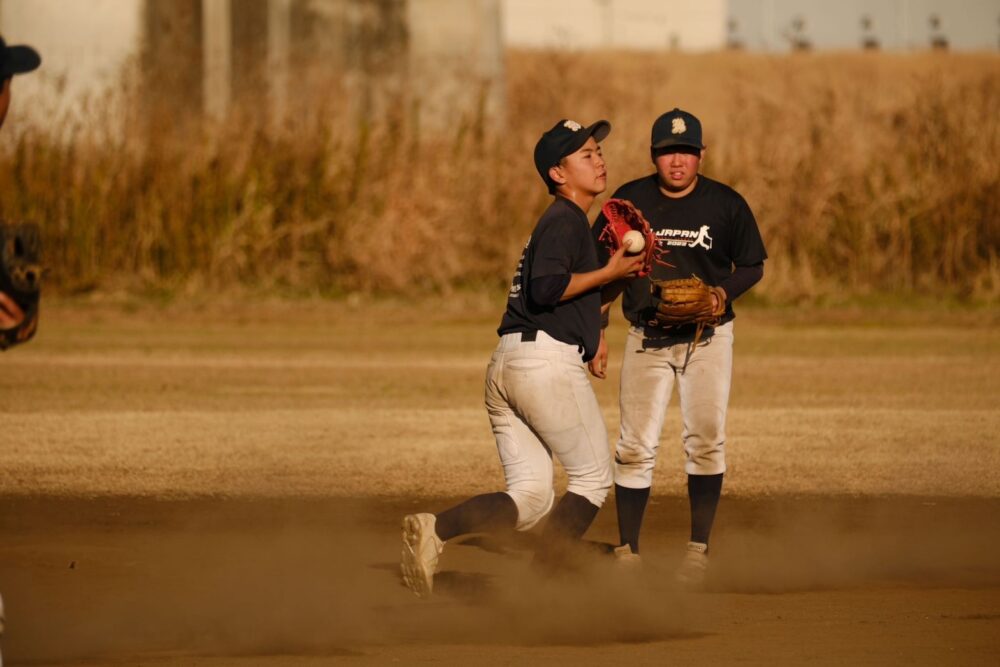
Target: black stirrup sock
{"x": 566, "y": 525}
{"x": 490, "y": 512}
{"x": 631, "y": 505}
{"x": 704, "y": 492}
{"x": 571, "y": 518}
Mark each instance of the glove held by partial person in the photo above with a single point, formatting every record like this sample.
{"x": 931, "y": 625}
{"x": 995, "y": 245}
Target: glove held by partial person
{"x": 20, "y": 278}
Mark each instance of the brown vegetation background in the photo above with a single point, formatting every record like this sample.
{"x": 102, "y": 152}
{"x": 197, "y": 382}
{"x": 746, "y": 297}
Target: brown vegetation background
{"x": 870, "y": 175}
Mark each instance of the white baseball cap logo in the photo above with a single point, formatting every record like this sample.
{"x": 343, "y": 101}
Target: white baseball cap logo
{"x": 677, "y": 126}
{"x": 573, "y": 125}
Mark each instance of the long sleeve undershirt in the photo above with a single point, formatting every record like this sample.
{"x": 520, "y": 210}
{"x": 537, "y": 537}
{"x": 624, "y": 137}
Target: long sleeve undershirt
{"x": 742, "y": 279}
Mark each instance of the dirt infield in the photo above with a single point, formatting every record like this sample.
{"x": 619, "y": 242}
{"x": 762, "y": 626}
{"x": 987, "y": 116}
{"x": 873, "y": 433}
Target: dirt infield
{"x": 290, "y": 582}
{"x": 227, "y": 491}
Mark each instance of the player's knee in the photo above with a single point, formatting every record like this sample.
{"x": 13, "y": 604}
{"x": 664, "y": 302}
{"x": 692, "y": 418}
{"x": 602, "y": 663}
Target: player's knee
{"x": 533, "y": 501}
{"x": 704, "y": 458}
{"x": 705, "y": 422}
{"x": 634, "y": 461}
{"x": 634, "y": 456}
{"x": 594, "y": 486}
{"x": 633, "y": 451}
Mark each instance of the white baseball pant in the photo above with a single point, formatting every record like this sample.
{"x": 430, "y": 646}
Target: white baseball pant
{"x": 541, "y": 403}
{"x": 647, "y": 381}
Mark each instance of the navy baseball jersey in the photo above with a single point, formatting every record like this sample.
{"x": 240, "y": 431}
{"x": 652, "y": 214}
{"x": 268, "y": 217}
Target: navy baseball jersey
{"x": 560, "y": 245}
{"x": 706, "y": 233}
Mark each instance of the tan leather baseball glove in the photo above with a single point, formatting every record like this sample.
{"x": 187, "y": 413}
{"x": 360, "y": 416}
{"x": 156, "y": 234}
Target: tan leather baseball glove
{"x": 687, "y": 301}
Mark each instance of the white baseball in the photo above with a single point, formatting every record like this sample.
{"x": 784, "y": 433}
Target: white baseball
{"x": 634, "y": 241}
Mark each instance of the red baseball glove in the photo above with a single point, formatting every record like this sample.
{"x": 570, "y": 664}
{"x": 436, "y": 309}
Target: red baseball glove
{"x": 622, "y": 218}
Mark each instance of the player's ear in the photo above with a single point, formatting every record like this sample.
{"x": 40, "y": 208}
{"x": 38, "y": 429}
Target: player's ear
{"x": 556, "y": 174}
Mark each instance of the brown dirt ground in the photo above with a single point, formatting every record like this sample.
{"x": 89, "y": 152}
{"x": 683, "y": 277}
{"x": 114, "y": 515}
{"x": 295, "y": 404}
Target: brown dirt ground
{"x": 225, "y": 488}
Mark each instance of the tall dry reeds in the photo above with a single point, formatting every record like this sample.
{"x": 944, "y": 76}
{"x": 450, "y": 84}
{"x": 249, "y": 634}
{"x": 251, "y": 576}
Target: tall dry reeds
{"x": 868, "y": 173}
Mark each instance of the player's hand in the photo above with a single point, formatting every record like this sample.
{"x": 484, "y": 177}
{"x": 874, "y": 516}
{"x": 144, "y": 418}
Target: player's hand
{"x": 719, "y": 299}
{"x": 599, "y": 364}
{"x": 621, "y": 265}
{"x": 11, "y": 314}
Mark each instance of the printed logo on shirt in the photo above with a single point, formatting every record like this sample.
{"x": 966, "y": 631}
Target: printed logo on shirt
{"x": 515, "y": 283}
{"x": 685, "y": 238}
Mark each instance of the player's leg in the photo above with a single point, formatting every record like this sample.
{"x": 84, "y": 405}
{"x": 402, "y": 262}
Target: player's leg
{"x": 584, "y": 453}
{"x": 558, "y": 403}
{"x": 424, "y": 534}
{"x": 704, "y": 397}
{"x": 485, "y": 513}
{"x": 647, "y": 379}
{"x": 528, "y": 471}
{"x": 527, "y": 467}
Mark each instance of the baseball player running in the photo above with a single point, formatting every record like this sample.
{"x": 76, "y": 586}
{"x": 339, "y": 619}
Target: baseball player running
{"x": 538, "y": 396}
{"x": 710, "y": 232}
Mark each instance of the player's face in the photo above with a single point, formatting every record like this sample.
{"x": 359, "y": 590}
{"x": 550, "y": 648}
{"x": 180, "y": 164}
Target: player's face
{"x": 584, "y": 171}
{"x": 678, "y": 170}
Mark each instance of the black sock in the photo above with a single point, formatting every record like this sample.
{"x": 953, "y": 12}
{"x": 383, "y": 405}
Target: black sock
{"x": 566, "y": 525}
{"x": 703, "y": 493}
{"x": 571, "y": 518}
{"x": 489, "y": 512}
{"x": 631, "y": 505}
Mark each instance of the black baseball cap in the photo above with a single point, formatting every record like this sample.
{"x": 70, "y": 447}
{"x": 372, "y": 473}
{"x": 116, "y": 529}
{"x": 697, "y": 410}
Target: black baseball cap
{"x": 676, "y": 128}
{"x": 565, "y": 138}
{"x": 17, "y": 59}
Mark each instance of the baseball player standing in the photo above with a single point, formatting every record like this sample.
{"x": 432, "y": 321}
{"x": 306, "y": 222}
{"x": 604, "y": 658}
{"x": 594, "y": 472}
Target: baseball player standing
{"x": 13, "y": 60}
{"x": 14, "y": 328}
{"x": 710, "y": 232}
{"x": 538, "y": 396}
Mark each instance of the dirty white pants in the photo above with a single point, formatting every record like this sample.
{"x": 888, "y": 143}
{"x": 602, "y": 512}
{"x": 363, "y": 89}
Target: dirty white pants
{"x": 541, "y": 403}
{"x": 647, "y": 381}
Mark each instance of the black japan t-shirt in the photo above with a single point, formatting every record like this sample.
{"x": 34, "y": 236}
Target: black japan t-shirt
{"x": 706, "y": 233}
{"x": 561, "y": 244}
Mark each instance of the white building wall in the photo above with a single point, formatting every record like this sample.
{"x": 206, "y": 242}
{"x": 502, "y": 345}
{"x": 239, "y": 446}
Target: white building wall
{"x": 691, "y": 25}
{"x": 759, "y": 25}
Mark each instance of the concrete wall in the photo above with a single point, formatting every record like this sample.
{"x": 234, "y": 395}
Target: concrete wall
{"x": 206, "y": 57}
{"x": 456, "y": 61}
{"x": 85, "y": 48}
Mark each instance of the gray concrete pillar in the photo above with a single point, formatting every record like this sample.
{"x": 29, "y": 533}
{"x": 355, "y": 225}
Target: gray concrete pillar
{"x": 218, "y": 53}
{"x": 279, "y": 57}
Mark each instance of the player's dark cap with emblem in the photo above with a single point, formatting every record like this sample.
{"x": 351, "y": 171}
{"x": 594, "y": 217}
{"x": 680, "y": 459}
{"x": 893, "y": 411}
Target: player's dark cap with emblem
{"x": 676, "y": 128}
{"x": 565, "y": 138}
{"x": 17, "y": 59}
